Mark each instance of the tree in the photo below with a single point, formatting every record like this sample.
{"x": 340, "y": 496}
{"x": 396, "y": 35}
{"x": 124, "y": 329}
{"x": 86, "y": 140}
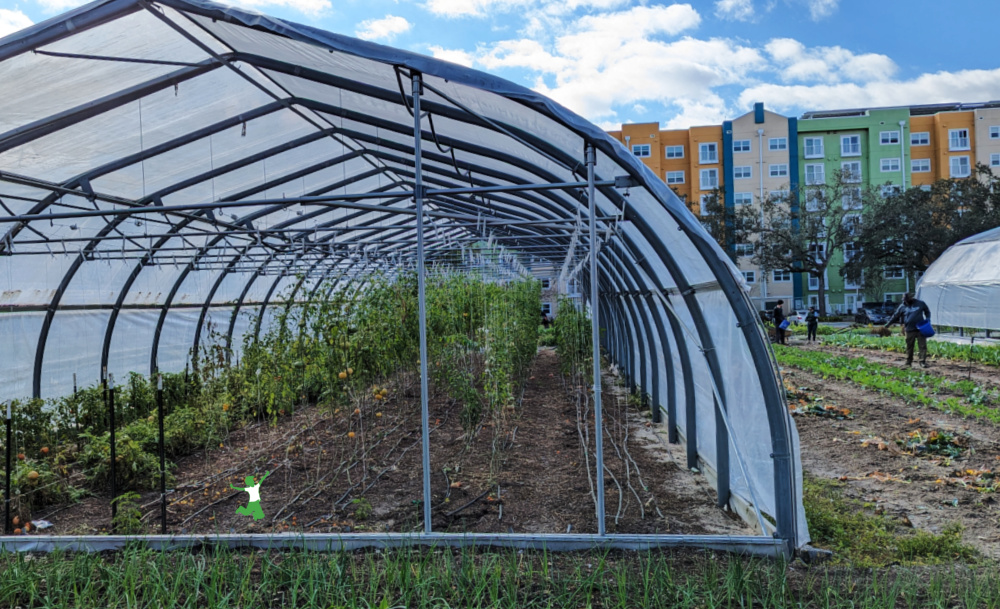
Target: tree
{"x": 725, "y": 226}
{"x": 804, "y": 238}
{"x": 910, "y": 230}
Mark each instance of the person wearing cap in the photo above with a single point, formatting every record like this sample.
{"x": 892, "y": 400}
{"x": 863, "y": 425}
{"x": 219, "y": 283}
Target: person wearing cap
{"x": 778, "y": 317}
{"x": 912, "y": 313}
{"x": 812, "y": 323}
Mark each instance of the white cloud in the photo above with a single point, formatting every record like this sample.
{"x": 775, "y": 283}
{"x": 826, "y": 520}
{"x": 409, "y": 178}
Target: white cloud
{"x": 820, "y": 9}
{"x": 12, "y": 21}
{"x": 386, "y": 28}
{"x": 939, "y": 87}
{"x": 797, "y": 63}
{"x": 58, "y": 6}
{"x": 737, "y": 10}
{"x": 707, "y": 110}
{"x": 458, "y": 56}
{"x": 483, "y": 8}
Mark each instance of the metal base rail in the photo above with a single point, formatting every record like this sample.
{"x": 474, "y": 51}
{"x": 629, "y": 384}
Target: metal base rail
{"x": 325, "y": 542}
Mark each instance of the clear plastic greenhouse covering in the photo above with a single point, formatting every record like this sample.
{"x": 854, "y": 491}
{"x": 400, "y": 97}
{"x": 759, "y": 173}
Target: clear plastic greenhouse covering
{"x": 168, "y": 164}
{"x": 962, "y": 287}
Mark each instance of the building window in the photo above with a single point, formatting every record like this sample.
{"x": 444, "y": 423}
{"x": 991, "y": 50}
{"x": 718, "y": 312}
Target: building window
{"x": 708, "y": 153}
{"x": 922, "y": 138}
{"x": 958, "y": 139}
{"x": 709, "y": 179}
{"x": 888, "y": 137}
{"x": 749, "y": 276}
{"x": 814, "y": 281}
{"x": 889, "y": 165}
{"x": 960, "y": 167}
{"x": 852, "y": 198}
{"x": 741, "y": 145}
{"x": 704, "y": 203}
{"x": 778, "y": 171}
{"x": 777, "y": 143}
{"x": 851, "y": 224}
{"x": 743, "y": 198}
{"x": 742, "y": 172}
{"x": 546, "y": 284}
{"x": 851, "y": 171}
{"x": 675, "y": 177}
{"x": 893, "y": 272}
{"x": 641, "y": 150}
{"x": 547, "y": 308}
{"x": 889, "y": 190}
{"x": 813, "y": 147}
{"x": 675, "y": 152}
{"x": 778, "y": 195}
{"x": 995, "y": 160}
{"x": 815, "y": 174}
{"x": 850, "y": 145}
{"x": 925, "y": 187}
{"x": 744, "y": 249}
{"x": 812, "y": 200}
{"x": 781, "y": 276}
{"x": 920, "y": 165}
{"x": 851, "y": 249}
{"x": 995, "y": 132}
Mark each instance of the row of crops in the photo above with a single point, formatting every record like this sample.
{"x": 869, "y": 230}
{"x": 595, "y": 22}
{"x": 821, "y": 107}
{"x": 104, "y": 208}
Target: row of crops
{"x": 964, "y": 397}
{"x": 985, "y": 354}
{"x": 335, "y": 351}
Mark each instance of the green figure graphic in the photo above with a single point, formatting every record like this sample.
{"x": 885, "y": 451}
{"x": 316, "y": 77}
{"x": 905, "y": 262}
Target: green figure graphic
{"x": 252, "y": 507}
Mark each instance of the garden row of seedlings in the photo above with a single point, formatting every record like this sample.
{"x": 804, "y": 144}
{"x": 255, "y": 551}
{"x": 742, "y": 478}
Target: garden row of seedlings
{"x": 341, "y": 352}
{"x": 573, "y": 344}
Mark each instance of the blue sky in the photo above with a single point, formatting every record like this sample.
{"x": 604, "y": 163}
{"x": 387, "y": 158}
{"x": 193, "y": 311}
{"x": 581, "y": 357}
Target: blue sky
{"x": 679, "y": 64}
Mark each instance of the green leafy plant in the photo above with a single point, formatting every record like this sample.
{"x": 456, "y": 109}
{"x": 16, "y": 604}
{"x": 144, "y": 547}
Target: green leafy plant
{"x": 128, "y": 516}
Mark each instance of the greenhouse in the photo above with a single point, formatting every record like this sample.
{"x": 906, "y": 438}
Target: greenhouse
{"x": 961, "y": 287}
{"x": 303, "y": 254}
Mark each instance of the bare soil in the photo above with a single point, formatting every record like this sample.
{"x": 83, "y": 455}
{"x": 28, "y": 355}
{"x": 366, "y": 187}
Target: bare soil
{"x": 863, "y": 453}
{"x": 524, "y": 470}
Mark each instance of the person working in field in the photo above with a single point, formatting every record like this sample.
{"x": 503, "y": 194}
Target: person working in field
{"x": 252, "y": 508}
{"x": 778, "y": 317}
{"x": 912, "y": 313}
{"x": 812, "y": 324}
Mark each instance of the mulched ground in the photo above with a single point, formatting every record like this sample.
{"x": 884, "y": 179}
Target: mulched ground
{"x": 927, "y": 491}
{"x": 523, "y": 471}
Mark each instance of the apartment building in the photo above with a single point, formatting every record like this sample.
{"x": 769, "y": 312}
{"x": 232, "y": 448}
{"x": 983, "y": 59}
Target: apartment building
{"x": 763, "y": 153}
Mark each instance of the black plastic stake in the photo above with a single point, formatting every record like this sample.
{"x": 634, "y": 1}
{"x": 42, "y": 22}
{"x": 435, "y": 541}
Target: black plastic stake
{"x": 114, "y": 460}
{"x": 76, "y": 409}
{"x": 163, "y": 466}
{"x": 6, "y": 493}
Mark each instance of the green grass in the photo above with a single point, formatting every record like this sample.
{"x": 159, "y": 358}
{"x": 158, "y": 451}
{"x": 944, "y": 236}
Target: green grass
{"x": 983, "y": 354}
{"x": 445, "y": 578}
{"x": 966, "y": 398}
{"x": 862, "y": 539}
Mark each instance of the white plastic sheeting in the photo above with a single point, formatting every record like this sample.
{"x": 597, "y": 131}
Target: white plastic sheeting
{"x": 187, "y": 103}
{"x": 962, "y": 287}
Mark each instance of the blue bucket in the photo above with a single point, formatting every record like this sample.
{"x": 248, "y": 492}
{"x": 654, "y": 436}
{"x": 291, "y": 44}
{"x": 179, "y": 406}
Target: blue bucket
{"x": 926, "y": 328}
{"x": 784, "y": 325}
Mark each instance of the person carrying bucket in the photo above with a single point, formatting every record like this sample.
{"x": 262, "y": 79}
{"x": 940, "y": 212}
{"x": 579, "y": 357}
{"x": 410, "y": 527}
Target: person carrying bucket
{"x": 780, "y": 323}
{"x": 916, "y": 320}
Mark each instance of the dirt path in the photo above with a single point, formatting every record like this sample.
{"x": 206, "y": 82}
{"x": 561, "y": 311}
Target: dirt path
{"x": 324, "y": 479}
{"x": 863, "y": 453}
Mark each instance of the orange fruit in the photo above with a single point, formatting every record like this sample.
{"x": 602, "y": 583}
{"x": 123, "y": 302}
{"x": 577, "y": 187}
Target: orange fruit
{"x": 32, "y": 475}
{"x": 378, "y": 396}
{"x": 350, "y": 434}
{"x": 357, "y": 411}
{"x": 378, "y": 415}
{"x": 16, "y": 521}
{"x": 45, "y": 450}
{"x": 342, "y": 375}
{"x": 350, "y": 371}
{"x": 20, "y": 456}
{"x": 17, "y": 531}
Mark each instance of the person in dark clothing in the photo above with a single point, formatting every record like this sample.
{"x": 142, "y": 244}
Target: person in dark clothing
{"x": 778, "y": 317}
{"x": 912, "y": 313}
{"x": 546, "y": 321}
{"x": 812, "y": 323}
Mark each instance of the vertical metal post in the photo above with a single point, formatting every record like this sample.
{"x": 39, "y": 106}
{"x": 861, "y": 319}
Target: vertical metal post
{"x": 6, "y": 492}
{"x": 595, "y": 338}
{"x": 163, "y": 464}
{"x": 114, "y": 460}
{"x": 76, "y": 409}
{"x": 418, "y": 196}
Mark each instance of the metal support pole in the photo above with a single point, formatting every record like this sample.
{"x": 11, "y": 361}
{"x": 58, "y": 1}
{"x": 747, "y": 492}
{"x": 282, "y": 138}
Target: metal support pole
{"x": 163, "y": 464}
{"x": 114, "y": 460}
{"x": 418, "y": 196}
{"x": 76, "y": 409}
{"x": 6, "y": 492}
{"x": 595, "y": 337}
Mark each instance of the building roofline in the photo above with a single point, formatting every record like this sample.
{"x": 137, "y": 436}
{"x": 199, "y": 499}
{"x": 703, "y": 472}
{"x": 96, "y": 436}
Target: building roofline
{"x": 916, "y": 110}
